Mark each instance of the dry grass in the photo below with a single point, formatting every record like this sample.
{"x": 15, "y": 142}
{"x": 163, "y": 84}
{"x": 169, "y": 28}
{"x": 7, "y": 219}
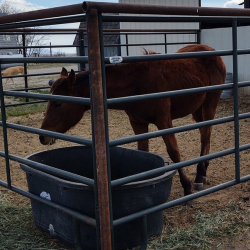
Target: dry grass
{"x": 210, "y": 231}
{"x": 219, "y": 230}
{"x": 218, "y": 221}
{"x": 17, "y": 230}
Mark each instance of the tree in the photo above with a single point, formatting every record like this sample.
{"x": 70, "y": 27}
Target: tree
{"x": 6, "y": 8}
{"x": 30, "y": 39}
{"x": 35, "y": 41}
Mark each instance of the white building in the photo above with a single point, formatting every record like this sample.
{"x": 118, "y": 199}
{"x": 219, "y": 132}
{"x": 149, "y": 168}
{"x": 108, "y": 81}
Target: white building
{"x": 221, "y": 39}
{"x": 160, "y": 38}
{"x": 218, "y": 38}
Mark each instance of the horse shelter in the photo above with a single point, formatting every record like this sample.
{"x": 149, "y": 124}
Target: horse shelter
{"x": 100, "y": 146}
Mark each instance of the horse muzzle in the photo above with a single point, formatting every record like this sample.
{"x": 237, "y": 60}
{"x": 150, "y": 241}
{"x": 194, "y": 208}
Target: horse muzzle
{"x": 46, "y": 140}
{"x": 50, "y": 83}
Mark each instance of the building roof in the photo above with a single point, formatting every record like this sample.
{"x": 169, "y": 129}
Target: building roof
{"x": 107, "y": 39}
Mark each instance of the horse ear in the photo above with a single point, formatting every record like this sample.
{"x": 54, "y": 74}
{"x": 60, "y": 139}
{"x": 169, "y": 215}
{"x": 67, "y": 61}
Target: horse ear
{"x": 64, "y": 72}
{"x": 72, "y": 77}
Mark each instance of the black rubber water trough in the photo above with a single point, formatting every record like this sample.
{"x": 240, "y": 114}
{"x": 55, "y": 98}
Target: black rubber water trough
{"x": 126, "y": 199}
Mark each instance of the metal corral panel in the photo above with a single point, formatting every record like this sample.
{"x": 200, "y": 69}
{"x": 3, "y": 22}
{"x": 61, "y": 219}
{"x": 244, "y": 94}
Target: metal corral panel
{"x": 221, "y": 39}
{"x": 5, "y": 66}
{"x": 170, "y": 38}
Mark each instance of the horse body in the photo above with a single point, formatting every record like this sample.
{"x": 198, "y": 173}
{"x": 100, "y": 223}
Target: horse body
{"x": 138, "y": 78}
{"x": 12, "y": 71}
{"x": 154, "y": 77}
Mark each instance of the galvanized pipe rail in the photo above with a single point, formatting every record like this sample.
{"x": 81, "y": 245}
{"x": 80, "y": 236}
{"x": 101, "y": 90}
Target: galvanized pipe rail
{"x": 39, "y": 14}
{"x": 102, "y": 8}
{"x": 5, "y": 25}
{"x": 22, "y": 32}
{"x": 162, "y": 9}
{"x": 39, "y": 31}
{"x": 71, "y": 212}
{"x": 99, "y": 103}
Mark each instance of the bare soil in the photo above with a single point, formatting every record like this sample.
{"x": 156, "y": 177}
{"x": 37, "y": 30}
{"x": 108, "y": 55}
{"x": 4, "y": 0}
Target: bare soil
{"x": 220, "y": 170}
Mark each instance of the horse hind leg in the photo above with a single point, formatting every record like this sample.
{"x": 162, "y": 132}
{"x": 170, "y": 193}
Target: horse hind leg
{"x": 204, "y": 113}
{"x": 202, "y": 166}
{"x": 13, "y": 82}
{"x": 201, "y": 173}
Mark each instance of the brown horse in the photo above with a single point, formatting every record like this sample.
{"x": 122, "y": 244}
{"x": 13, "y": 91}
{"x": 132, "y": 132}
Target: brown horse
{"x": 137, "y": 78}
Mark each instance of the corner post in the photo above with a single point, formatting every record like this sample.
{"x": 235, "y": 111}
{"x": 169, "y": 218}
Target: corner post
{"x": 100, "y": 137}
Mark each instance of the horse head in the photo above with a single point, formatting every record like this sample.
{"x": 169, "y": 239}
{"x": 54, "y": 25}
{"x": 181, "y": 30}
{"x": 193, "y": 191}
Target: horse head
{"x": 60, "y": 116}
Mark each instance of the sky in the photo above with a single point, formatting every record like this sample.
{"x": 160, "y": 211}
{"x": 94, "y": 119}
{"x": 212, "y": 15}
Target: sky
{"x": 30, "y": 5}
{"x": 38, "y": 4}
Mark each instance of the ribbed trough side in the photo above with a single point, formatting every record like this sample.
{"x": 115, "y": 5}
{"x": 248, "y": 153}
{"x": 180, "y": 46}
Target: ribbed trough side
{"x": 126, "y": 199}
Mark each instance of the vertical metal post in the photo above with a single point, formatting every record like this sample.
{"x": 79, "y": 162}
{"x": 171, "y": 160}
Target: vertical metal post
{"x": 246, "y": 4}
{"x": 3, "y": 113}
{"x": 25, "y": 66}
{"x": 166, "y": 48}
{"x": 81, "y": 48}
{"x": 127, "y": 44}
{"x": 119, "y": 53}
{"x": 102, "y": 187}
{"x": 198, "y": 37}
{"x": 236, "y": 101}
{"x": 106, "y": 120}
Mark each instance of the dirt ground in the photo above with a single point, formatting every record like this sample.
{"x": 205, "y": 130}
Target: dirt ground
{"x": 220, "y": 170}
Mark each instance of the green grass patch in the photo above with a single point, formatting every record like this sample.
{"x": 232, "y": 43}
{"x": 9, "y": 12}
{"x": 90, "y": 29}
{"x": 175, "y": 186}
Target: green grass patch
{"x": 17, "y": 230}
{"x": 24, "y": 110}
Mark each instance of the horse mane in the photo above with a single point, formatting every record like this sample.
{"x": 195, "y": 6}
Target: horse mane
{"x": 147, "y": 51}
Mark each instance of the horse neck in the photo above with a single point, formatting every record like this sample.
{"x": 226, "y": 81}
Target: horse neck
{"x": 81, "y": 86}
{"x": 119, "y": 82}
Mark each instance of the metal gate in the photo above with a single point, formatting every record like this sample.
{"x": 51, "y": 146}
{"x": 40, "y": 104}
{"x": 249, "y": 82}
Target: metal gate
{"x": 100, "y": 142}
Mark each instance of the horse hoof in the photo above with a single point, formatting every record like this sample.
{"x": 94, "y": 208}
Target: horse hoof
{"x": 198, "y": 186}
{"x": 204, "y": 179}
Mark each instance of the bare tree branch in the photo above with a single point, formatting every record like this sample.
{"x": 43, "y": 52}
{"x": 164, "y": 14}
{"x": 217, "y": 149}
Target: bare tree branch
{"x": 30, "y": 39}
{"x": 6, "y": 8}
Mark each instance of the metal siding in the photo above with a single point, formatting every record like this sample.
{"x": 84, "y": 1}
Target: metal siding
{"x": 221, "y": 39}
{"x": 11, "y": 43}
{"x": 139, "y": 39}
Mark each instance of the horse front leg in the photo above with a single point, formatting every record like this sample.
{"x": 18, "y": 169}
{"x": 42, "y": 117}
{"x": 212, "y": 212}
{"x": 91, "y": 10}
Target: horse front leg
{"x": 174, "y": 154}
{"x": 13, "y": 82}
{"x": 140, "y": 128}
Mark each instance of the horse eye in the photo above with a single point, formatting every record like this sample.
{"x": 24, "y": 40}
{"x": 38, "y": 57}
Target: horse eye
{"x": 57, "y": 104}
